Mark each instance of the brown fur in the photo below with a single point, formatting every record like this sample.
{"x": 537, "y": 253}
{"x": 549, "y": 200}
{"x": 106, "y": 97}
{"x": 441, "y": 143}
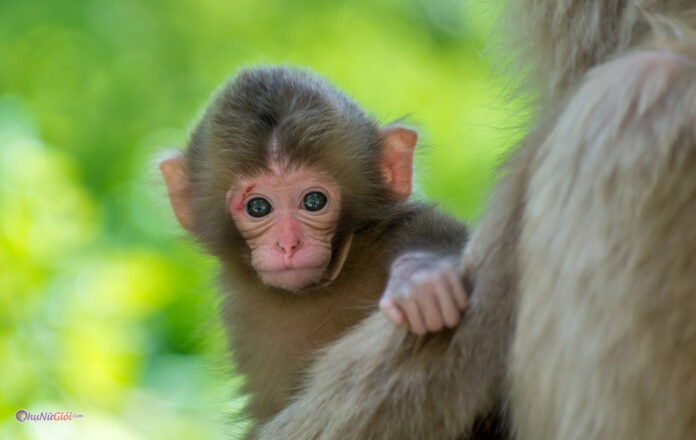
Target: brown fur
{"x": 298, "y": 116}
{"x": 584, "y": 266}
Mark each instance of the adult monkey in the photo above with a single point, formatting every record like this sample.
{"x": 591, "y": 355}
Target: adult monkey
{"x": 584, "y": 265}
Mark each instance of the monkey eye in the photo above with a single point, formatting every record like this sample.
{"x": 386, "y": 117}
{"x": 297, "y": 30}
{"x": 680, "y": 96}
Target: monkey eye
{"x": 258, "y": 207}
{"x": 314, "y": 201}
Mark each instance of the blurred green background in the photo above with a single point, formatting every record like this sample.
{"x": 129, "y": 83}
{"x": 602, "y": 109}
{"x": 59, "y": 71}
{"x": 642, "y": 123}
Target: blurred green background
{"x": 105, "y": 309}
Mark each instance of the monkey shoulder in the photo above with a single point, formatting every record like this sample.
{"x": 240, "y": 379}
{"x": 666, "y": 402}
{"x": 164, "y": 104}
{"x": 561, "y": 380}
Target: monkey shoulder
{"x": 421, "y": 227}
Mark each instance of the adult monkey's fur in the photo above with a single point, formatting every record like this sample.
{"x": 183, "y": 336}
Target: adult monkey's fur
{"x": 584, "y": 265}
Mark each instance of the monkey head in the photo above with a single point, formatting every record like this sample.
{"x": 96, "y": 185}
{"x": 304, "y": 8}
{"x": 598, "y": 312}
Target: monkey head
{"x": 280, "y": 173}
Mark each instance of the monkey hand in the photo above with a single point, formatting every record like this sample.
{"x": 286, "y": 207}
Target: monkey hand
{"x": 425, "y": 292}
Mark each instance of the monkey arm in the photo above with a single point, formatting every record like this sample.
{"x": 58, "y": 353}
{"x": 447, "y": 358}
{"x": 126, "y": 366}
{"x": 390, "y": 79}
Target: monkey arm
{"x": 608, "y": 278}
{"x": 427, "y": 232}
{"x": 424, "y": 290}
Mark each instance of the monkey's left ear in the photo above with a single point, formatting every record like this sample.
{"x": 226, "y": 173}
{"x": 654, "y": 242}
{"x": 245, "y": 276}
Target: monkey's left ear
{"x": 398, "y": 144}
{"x": 179, "y": 189}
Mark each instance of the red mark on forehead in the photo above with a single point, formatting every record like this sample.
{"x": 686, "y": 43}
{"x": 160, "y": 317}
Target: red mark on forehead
{"x": 240, "y": 203}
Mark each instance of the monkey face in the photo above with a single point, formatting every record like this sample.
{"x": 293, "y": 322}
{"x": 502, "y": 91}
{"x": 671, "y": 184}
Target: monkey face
{"x": 288, "y": 218}
{"x": 342, "y": 168}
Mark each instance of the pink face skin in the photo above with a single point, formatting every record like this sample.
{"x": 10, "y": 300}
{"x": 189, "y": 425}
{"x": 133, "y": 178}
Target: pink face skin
{"x": 291, "y": 245}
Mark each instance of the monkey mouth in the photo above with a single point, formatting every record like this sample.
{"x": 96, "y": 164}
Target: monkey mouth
{"x": 294, "y": 269}
{"x": 289, "y": 266}
{"x": 293, "y": 278}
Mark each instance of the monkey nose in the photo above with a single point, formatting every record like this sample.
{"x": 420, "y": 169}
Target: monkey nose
{"x": 288, "y": 247}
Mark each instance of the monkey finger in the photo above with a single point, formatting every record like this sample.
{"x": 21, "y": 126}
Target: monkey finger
{"x": 413, "y": 315}
{"x": 448, "y": 309}
{"x": 457, "y": 290}
{"x": 392, "y": 311}
{"x": 427, "y": 302}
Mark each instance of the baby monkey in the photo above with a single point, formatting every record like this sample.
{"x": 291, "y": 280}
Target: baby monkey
{"x": 303, "y": 199}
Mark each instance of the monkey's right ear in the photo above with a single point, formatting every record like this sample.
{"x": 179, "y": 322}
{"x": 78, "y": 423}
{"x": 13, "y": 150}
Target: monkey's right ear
{"x": 396, "y": 164}
{"x": 179, "y": 189}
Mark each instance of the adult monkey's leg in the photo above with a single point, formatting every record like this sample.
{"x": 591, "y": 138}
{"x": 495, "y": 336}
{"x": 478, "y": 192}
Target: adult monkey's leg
{"x": 605, "y": 346}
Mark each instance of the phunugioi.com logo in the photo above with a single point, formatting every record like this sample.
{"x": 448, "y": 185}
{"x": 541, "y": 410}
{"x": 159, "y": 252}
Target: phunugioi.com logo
{"x": 23, "y": 415}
